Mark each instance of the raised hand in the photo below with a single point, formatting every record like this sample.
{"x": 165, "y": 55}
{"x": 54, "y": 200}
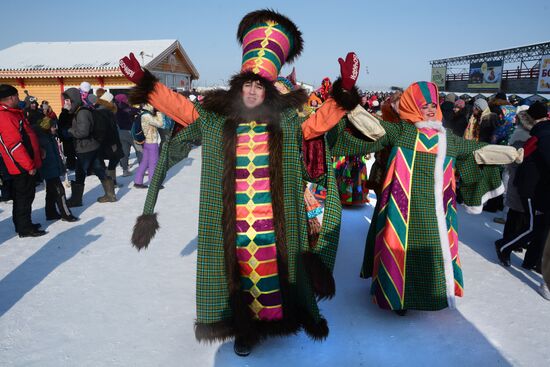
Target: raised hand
{"x": 349, "y": 70}
{"x": 131, "y": 68}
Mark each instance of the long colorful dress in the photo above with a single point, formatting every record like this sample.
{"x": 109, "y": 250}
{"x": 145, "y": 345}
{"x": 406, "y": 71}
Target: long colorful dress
{"x": 351, "y": 178}
{"x": 413, "y": 254}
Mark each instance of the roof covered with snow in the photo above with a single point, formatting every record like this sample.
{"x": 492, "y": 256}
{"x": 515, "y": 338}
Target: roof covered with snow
{"x": 97, "y": 55}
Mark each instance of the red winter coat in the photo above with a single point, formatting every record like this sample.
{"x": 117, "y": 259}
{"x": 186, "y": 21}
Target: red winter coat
{"x": 19, "y": 146}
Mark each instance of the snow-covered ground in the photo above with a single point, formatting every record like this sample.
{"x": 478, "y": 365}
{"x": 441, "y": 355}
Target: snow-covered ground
{"x": 82, "y": 296}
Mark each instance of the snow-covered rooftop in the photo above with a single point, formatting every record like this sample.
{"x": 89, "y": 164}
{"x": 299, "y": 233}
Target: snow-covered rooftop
{"x": 81, "y": 55}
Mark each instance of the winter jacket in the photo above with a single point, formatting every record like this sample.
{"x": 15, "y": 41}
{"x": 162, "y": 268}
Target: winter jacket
{"x": 111, "y": 148}
{"x": 459, "y": 121}
{"x": 447, "y": 111}
{"x": 150, "y": 123}
{"x": 533, "y": 176}
{"x": 82, "y": 125}
{"x": 124, "y": 116}
{"x": 482, "y": 129}
{"x": 517, "y": 140}
{"x": 52, "y": 164}
{"x": 19, "y": 146}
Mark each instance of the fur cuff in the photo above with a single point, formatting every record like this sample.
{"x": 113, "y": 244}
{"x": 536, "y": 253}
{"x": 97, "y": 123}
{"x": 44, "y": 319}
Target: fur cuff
{"x": 320, "y": 276}
{"x": 345, "y": 99}
{"x": 140, "y": 93}
{"x": 217, "y": 331}
{"x": 317, "y": 330}
{"x": 144, "y": 230}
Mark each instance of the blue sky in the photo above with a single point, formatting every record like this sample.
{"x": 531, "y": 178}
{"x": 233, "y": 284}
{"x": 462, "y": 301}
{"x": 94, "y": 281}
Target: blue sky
{"x": 394, "y": 39}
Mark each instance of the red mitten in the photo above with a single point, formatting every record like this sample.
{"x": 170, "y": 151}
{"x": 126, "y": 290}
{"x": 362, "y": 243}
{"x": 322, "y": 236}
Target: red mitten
{"x": 131, "y": 68}
{"x": 349, "y": 70}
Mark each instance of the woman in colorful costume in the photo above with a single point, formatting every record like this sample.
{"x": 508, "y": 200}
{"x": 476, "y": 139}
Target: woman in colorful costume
{"x": 256, "y": 273}
{"x": 414, "y": 259}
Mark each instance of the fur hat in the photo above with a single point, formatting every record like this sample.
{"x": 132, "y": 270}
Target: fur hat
{"x": 481, "y": 104}
{"x": 269, "y": 39}
{"x": 538, "y": 110}
{"x": 7, "y": 90}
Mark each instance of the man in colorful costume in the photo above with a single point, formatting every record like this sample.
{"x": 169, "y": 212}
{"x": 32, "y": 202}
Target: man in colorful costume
{"x": 414, "y": 259}
{"x": 256, "y": 273}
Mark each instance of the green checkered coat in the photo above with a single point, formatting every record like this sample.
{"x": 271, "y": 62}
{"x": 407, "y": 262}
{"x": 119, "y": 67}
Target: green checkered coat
{"x": 212, "y": 293}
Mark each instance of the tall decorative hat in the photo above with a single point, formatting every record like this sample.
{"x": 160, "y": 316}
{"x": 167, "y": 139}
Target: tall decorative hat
{"x": 414, "y": 97}
{"x": 269, "y": 39}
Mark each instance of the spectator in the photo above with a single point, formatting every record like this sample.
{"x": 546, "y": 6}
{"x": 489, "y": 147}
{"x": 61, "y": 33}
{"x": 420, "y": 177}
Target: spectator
{"x": 52, "y": 168}
{"x": 47, "y": 110}
{"x": 459, "y": 119}
{"x": 111, "y": 147}
{"x": 124, "y": 118}
{"x": 21, "y": 155}
{"x": 65, "y": 123}
{"x": 151, "y": 120}
{"x": 87, "y": 150}
{"x": 482, "y": 122}
{"x": 447, "y": 108}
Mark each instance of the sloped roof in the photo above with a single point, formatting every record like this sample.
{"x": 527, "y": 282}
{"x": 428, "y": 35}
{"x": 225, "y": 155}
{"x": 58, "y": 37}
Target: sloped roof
{"x": 94, "y": 55}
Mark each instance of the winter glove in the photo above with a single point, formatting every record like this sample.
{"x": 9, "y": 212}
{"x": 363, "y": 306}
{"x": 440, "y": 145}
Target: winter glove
{"x": 131, "y": 68}
{"x": 349, "y": 70}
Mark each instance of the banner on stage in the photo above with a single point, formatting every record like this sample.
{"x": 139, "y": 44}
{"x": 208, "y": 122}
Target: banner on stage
{"x": 485, "y": 75}
{"x": 438, "y": 76}
{"x": 544, "y": 75}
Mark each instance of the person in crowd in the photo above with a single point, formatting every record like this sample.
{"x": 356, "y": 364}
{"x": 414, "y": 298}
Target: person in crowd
{"x": 32, "y": 113}
{"x": 99, "y": 92}
{"x": 481, "y": 123}
{"x": 51, "y": 170}
{"x": 251, "y": 136}
{"x": 517, "y": 219}
{"x": 20, "y": 152}
{"x": 459, "y": 120}
{"x": 111, "y": 147}
{"x": 447, "y": 108}
{"x": 47, "y": 110}
{"x": 6, "y": 182}
{"x": 124, "y": 119}
{"x": 64, "y": 124}
{"x": 151, "y": 121}
{"x": 87, "y": 150}
{"x": 85, "y": 90}
{"x": 532, "y": 181}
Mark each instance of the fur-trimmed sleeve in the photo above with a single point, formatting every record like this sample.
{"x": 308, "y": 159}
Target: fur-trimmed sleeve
{"x": 172, "y": 104}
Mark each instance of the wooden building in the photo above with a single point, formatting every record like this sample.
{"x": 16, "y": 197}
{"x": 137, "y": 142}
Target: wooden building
{"x": 46, "y": 69}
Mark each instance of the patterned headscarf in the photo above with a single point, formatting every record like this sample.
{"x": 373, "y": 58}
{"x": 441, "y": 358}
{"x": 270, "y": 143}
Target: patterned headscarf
{"x": 414, "y": 97}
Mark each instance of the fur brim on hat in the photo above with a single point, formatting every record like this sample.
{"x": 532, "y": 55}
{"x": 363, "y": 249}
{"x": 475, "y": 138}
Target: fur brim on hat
{"x": 264, "y": 15}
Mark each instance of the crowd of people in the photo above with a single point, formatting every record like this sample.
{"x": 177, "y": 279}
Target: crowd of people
{"x": 93, "y": 134}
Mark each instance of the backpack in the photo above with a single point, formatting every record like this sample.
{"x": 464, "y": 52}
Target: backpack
{"x": 101, "y": 129}
{"x": 136, "y": 130}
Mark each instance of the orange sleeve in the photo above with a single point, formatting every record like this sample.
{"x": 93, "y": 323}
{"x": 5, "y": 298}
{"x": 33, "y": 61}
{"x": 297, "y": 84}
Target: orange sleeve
{"x": 173, "y": 104}
{"x": 326, "y": 117}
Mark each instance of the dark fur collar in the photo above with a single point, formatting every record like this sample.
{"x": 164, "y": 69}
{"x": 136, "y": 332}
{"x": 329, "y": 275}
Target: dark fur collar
{"x": 229, "y": 102}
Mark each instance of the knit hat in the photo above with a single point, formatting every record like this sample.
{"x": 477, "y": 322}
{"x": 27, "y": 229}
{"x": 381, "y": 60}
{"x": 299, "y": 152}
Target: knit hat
{"x": 107, "y": 97}
{"x": 7, "y": 90}
{"x": 85, "y": 87}
{"x": 538, "y": 110}
{"x": 451, "y": 97}
{"x": 481, "y": 104}
{"x": 45, "y": 123}
{"x": 414, "y": 97}
{"x": 460, "y": 104}
{"x": 269, "y": 39}
{"x": 121, "y": 98}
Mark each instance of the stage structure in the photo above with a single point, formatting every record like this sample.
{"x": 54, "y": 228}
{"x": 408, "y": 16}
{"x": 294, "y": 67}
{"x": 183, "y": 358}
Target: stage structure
{"x": 518, "y": 70}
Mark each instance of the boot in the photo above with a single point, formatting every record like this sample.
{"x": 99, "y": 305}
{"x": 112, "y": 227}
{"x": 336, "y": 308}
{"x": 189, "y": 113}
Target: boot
{"x": 242, "y": 347}
{"x": 112, "y": 173}
{"x": 109, "y": 188}
{"x": 76, "y": 195}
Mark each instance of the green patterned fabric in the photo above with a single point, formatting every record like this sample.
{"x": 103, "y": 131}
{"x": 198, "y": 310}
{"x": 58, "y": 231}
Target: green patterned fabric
{"x": 212, "y": 297}
{"x": 425, "y": 287}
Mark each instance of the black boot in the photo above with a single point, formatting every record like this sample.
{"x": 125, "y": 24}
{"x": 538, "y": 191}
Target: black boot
{"x": 242, "y": 347}
{"x": 400, "y": 312}
{"x": 76, "y": 195}
{"x": 109, "y": 188}
{"x": 503, "y": 255}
